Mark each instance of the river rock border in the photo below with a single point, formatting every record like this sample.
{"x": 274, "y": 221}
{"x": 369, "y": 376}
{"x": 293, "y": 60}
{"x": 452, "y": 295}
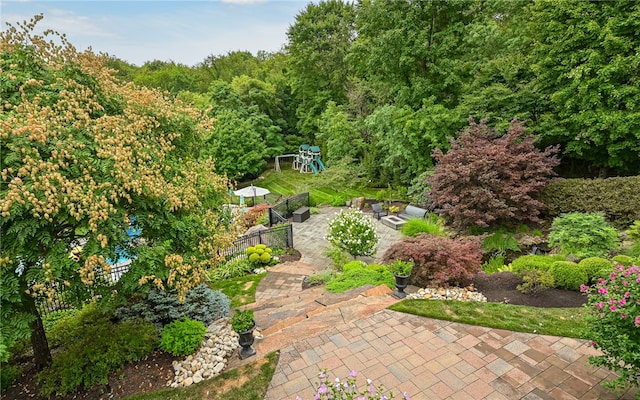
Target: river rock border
{"x": 218, "y": 346}
{"x": 453, "y": 293}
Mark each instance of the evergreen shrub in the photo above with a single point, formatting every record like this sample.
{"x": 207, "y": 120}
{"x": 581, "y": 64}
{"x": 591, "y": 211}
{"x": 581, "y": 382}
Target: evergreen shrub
{"x": 535, "y": 281}
{"x": 583, "y": 235}
{"x": 438, "y": 260}
{"x": 161, "y": 308}
{"x": 596, "y": 196}
{"x": 532, "y": 261}
{"x": 623, "y": 260}
{"x": 595, "y": 267}
{"x": 490, "y": 180}
{"x": 568, "y": 275}
{"x": 182, "y": 337}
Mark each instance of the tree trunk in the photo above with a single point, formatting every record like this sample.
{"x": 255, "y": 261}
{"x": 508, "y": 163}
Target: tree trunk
{"x": 41, "y": 352}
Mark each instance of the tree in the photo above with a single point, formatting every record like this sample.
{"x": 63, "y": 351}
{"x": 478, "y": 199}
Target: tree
{"x": 486, "y": 179}
{"x": 587, "y": 64}
{"x": 337, "y": 136}
{"x": 84, "y": 158}
{"x": 318, "y": 44}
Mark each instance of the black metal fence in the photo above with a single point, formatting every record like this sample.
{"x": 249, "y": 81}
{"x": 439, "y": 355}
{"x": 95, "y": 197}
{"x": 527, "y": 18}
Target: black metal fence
{"x": 277, "y": 237}
{"x": 282, "y": 211}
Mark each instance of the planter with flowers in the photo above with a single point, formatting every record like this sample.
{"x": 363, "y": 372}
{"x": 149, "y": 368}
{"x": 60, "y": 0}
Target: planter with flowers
{"x": 401, "y": 271}
{"x": 243, "y": 323}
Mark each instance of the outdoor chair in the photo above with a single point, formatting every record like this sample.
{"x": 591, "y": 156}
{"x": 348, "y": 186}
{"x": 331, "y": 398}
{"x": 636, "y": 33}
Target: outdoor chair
{"x": 378, "y": 212}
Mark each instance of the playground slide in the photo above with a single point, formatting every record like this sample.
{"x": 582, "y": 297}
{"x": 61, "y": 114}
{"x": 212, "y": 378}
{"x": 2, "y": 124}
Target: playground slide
{"x": 313, "y": 167}
{"x": 320, "y": 164}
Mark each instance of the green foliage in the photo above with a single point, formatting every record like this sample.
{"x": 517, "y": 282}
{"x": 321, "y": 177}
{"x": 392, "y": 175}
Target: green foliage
{"x": 320, "y": 278}
{"x": 594, "y": 267}
{"x": 232, "y": 269}
{"x": 486, "y": 179}
{"x": 353, "y": 232}
{"x": 614, "y": 324}
{"x": 8, "y": 374}
{"x": 623, "y": 260}
{"x": 337, "y": 136}
{"x": 259, "y": 254}
{"x": 430, "y": 225}
{"x": 355, "y": 264}
{"x": 254, "y": 258}
{"x": 493, "y": 265}
{"x": 531, "y": 261}
{"x": 96, "y": 348}
{"x": 182, "y": 337}
{"x": 337, "y": 256}
{"x": 634, "y": 231}
{"x": 596, "y": 196}
{"x": 568, "y": 275}
{"x": 242, "y": 320}
{"x": 500, "y": 242}
{"x": 401, "y": 267}
{"x": 15, "y": 324}
{"x": 338, "y": 201}
{"x": 265, "y": 258}
{"x": 535, "y": 281}
{"x": 357, "y": 276}
{"x": 633, "y": 250}
{"x": 583, "y": 235}
{"x": 161, "y": 308}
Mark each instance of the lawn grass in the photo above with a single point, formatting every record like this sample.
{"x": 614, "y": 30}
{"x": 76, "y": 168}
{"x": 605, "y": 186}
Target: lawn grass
{"x": 249, "y": 382}
{"x": 289, "y": 182}
{"x": 240, "y": 290}
{"x": 566, "y": 322}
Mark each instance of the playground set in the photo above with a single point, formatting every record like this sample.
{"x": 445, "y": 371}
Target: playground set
{"x": 307, "y": 160}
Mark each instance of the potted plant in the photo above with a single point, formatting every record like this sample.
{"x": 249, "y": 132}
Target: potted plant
{"x": 394, "y": 209}
{"x": 243, "y": 323}
{"x": 401, "y": 271}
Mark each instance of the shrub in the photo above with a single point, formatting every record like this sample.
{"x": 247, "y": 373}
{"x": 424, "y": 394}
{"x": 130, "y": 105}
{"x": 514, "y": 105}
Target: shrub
{"x": 161, "y": 308}
{"x": 535, "y": 281}
{"x": 568, "y": 275}
{"x": 417, "y": 225}
{"x": 8, "y": 375}
{"x": 438, "y": 260}
{"x": 614, "y": 324}
{"x": 594, "y": 267}
{"x": 254, "y": 258}
{"x": 623, "y": 260}
{"x": 338, "y": 201}
{"x": 401, "y": 267}
{"x": 634, "y": 231}
{"x": 98, "y": 348}
{"x": 231, "y": 269}
{"x": 242, "y": 320}
{"x": 353, "y": 232}
{"x": 500, "y": 242}
{"x": 338, "y": 257}
{"x": 596, "y": 196}
{"x": 265, "y": 258}
{"x": 353, "y": 265}
{"x": 583, "y": 235}
{"x": 253, "y": 215}
{"x": 531, "y": 261}
{"x": 355, "y": 277}
{"x": 488, "y": 180}
{"x": 183, "y": 337}
{"x": 493, "y": 265}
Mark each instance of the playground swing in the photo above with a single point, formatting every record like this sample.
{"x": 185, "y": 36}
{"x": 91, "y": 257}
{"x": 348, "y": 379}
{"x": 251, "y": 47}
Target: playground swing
{"x": 307, "y": 160}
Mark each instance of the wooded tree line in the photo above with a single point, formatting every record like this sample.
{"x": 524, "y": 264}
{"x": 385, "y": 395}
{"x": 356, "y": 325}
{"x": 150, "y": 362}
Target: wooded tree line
{"x": 384, "y": 83}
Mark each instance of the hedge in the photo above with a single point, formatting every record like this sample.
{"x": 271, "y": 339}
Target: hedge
{"x": 617, "y": 198}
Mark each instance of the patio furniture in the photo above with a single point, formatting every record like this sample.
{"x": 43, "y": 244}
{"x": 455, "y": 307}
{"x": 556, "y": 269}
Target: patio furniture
{"x": 301, "y": 214}
{"x": 378, "y": 212}
{"x": 413, "y": 212}
{"x": 393, "y": 222}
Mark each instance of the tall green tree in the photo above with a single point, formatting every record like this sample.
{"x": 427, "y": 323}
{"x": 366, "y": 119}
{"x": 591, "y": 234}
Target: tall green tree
{"x": 338, "y": 136}
{"x": 84, "y": 157}
{"x": 318, "y": 43}
{"x": 587, "y": 64}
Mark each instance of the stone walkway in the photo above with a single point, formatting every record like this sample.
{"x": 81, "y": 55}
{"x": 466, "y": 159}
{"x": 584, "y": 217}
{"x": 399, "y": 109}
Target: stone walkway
{"x": 426, "y": 358}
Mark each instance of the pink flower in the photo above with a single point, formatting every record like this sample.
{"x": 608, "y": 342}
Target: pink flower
{"x": 353, "y": 373}
{"x": 613, "y": 308}
{"x": 599, "y": 305}
{"x": 603, "y": 290}
{"x": 626, "y": 294}
{"x": 637, "y": 321}
{"x": 622, "y": 302}
{"x": 584, "y": 288}
{"x": 592, "y": 343}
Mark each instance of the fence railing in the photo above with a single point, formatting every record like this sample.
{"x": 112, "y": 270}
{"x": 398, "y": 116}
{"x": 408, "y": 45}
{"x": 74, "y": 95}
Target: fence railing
{"x": 282, "y": 211}
{"x": 278, "y": 237}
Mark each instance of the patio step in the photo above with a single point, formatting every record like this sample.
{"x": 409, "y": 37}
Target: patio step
{"x": 336, "y": 310}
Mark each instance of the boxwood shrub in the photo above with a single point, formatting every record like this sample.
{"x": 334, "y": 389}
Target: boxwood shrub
{"x": 595, "y": 267}
{"x": 617, "y": 198}
{"x": 568, "y": 275}
{"x": 531, "y": 261}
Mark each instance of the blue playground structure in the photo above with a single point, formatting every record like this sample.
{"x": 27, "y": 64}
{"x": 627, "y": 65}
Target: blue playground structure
{"x": 307, "y": 160}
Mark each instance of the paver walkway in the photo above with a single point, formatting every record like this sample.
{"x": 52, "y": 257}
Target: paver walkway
{"x": 426, "y": 358}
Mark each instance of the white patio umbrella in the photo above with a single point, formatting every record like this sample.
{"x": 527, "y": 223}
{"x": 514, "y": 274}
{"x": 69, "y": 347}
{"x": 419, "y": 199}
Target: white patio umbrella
{"x": 252, "y": 191}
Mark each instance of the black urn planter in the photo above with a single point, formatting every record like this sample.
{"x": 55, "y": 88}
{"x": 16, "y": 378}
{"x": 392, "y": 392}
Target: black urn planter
{"x": 245, "y": 341}
{"x": 401, "y": 284}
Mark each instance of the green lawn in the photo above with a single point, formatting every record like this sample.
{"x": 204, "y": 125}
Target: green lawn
{"x": 241, "y": 290}
{"x": 566, "y": 322}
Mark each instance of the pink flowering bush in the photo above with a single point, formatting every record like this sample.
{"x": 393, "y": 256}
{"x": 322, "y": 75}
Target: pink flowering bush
{"x": 614, "y": 324}
{"x": 347, "y": 389}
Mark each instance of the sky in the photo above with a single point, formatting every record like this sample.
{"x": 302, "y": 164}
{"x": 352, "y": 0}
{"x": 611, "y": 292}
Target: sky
{"x": 185, "y": 32}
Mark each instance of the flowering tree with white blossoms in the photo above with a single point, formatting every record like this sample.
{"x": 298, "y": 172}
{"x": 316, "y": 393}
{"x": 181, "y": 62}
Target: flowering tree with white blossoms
{"x": 353, "y": 232}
